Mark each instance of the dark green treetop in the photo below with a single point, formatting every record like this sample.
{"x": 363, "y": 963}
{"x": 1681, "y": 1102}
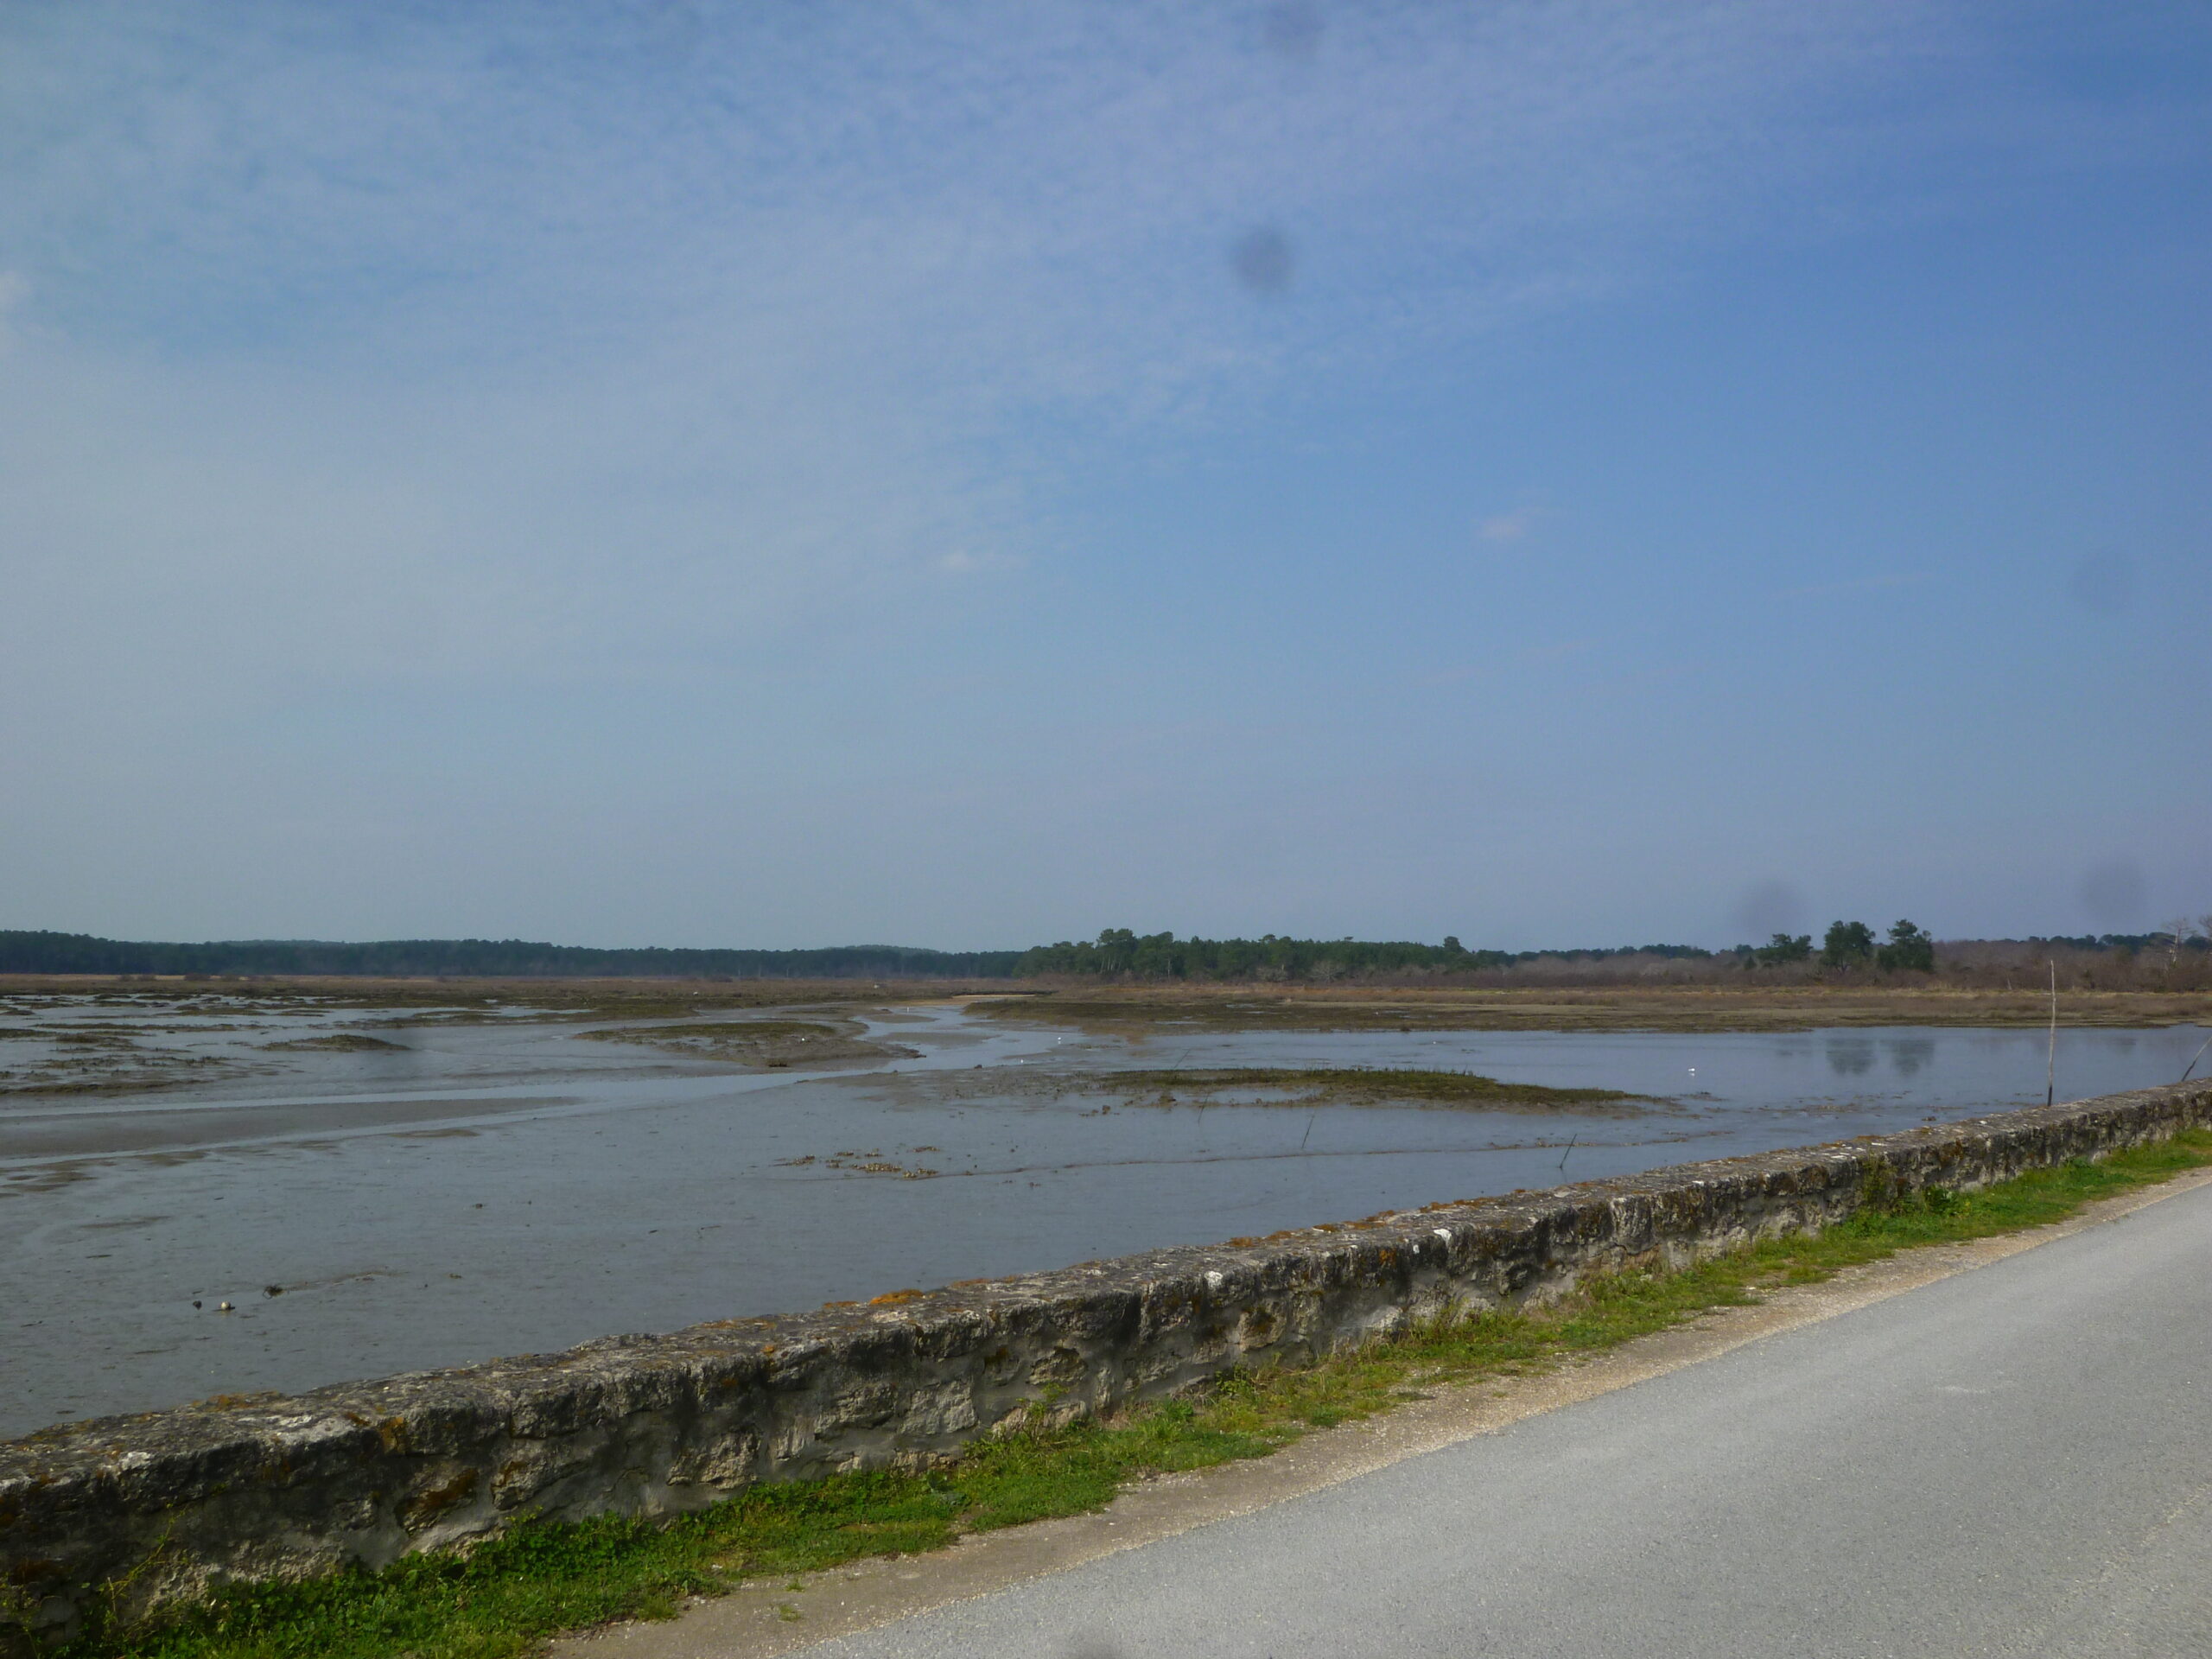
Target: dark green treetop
{"x": 1783, "y": 948}
{"x": 1848, "y": 945}
{"x": 1909, "y": 950}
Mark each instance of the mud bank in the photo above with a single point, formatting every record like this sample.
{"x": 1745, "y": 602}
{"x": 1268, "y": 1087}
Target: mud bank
{"x": 160, "y": 1506}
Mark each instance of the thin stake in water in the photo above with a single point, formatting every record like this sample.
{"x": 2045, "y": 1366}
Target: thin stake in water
{"x": 2051, "y": 1066}
{"x": 2193, "y": 1059}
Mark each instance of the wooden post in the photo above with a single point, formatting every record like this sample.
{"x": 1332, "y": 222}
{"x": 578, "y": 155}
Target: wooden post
{"x": 2050, "y": 1067}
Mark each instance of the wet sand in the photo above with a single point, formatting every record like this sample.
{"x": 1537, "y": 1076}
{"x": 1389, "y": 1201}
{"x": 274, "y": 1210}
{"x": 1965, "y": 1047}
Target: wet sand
{"x": 504, "y": 1185}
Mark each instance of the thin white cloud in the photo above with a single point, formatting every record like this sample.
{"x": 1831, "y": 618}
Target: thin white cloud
{"x": 1859, "y": 585}
{"x": 693, "y": 337}
{"x": 970, "y": 561}
{"x": 1559, "y": 651}
{"x": 1510, "y": 526}
{"x": 512, "y": 347}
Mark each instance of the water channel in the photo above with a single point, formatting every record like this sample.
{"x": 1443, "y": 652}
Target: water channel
{"x": 509, "y": 1185}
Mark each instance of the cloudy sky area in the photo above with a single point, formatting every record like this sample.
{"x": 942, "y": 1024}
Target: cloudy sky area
{"x": 712, "y": 473}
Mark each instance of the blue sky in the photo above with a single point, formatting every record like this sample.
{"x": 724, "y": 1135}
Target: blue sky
{"x": 967, "y": 474}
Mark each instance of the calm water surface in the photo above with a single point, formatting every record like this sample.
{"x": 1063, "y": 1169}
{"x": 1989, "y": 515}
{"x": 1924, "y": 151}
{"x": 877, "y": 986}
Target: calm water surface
{"x": 510, "y": 1187}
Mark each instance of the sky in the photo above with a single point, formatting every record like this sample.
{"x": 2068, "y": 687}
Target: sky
{"x": 968, "y": 475}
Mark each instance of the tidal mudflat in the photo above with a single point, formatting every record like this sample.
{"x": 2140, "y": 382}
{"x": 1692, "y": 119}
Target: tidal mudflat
{"x": 377, "y": 1191}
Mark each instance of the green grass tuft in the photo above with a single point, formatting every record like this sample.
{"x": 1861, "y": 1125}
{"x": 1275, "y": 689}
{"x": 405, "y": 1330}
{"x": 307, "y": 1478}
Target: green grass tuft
{"x": 510, "y": 1593}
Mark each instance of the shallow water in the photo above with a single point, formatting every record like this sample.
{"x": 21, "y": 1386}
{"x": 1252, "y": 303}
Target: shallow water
{"x": 509, "y": 1186}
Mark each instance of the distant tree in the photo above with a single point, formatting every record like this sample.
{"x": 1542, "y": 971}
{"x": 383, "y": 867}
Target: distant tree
{"x": 1848, "y": 945}
{"x": 1910, "y": 951}
{"x": 1785, "y": 947}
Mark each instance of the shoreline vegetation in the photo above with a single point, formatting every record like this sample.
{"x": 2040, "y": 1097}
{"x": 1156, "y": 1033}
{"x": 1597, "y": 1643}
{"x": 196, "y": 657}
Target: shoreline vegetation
{"x": 508, "y": 1596}
{"x": 1166, "y": 1010}
{"x": 33, "y": 952}
{"x": 1528, "y": 1004}
{"x": 2177, "y": 958}
{"x": 763, "y": 1043}
{"x": 1353, "y": 1086}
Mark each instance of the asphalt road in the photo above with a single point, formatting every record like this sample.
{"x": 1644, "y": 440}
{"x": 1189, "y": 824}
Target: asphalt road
{"x": 2016, "y": 1460}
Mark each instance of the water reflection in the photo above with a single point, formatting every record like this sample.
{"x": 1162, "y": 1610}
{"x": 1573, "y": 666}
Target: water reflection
{"x": 1909, "y": 1054}
{"x": 1851, "y": 1057}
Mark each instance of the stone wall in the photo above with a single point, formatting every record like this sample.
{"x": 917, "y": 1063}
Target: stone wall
{"x": 271, "y": 1486}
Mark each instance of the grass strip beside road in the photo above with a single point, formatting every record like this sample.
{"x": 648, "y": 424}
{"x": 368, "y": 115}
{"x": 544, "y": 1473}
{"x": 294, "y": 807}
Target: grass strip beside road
{"x": 505, "y": 1597}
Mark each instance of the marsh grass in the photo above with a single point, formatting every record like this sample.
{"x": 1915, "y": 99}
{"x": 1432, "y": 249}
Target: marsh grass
{"x": 751, "y": 1042}
{"x": 510, "y": 1593}
{"x": 715, "y": 1032}
{"x": 341, "y": 1042}
{"x": 1364, "y": 1086}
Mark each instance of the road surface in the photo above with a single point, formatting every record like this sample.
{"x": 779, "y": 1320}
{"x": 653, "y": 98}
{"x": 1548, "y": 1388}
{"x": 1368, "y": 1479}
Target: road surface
{"x": 2015, "y": 1460}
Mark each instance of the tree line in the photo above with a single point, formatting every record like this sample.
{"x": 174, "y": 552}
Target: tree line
{"x": 28, "y": 952}
{"x": 1120, "y": 952}
{"x": 1116, "y": 953}
{"x": 1850, "y": 945}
